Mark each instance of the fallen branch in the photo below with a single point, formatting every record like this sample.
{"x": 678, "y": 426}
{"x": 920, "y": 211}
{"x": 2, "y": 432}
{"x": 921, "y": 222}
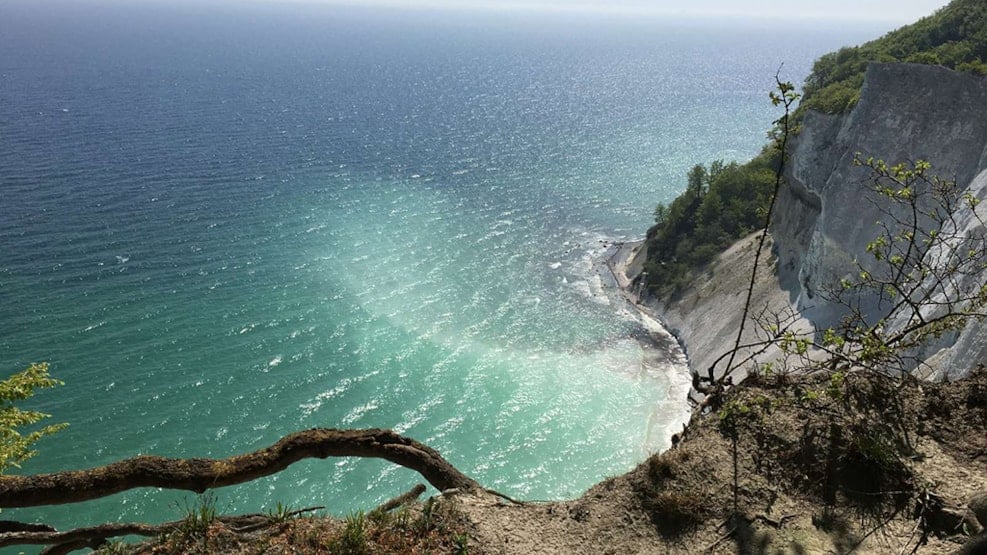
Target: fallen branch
{"x": 240, "y": 524}
{"x": 69, "y": 547}
{"x": 93, "y": 536}
{"x": 305, "y": 510}
{"x": 14, "y": 526}
{"x": 199, "y": 475}
{"x": 729, "y": 534}
{"x": 775, "y": 523}
{"x": 87, "y": 536}
{"x": 503, "y": 496}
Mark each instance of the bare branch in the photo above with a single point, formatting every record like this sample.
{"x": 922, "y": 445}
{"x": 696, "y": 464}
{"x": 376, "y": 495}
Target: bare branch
{"x": 199, "y": 475}
{"x": 403, "y": 499}
{"x": 786, "y": 99}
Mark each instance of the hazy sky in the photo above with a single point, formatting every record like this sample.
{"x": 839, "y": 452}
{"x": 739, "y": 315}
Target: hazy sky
{"x": 903, "y": 11}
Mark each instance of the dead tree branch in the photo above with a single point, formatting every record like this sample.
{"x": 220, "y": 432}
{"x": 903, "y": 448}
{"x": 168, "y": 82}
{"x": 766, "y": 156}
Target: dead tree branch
{"x": 199, "y": 475}
{"x": 401, "y": 500}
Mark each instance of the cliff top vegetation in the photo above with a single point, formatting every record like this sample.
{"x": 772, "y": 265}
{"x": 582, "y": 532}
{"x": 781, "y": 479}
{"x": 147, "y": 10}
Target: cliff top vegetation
{"x": 954, "y": 37}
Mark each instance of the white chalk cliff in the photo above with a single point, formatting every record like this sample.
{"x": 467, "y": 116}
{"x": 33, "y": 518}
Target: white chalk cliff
{"x": 906, "y": 112}
{"x": 824, "y": 220}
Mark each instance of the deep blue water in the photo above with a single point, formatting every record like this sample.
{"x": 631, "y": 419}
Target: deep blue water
{"x": 221, "y": 225}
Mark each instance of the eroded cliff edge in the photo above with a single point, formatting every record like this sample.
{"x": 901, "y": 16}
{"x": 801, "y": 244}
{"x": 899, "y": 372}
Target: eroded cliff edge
{"x": 825, "y": 215}
{"x": 825, "y": 218}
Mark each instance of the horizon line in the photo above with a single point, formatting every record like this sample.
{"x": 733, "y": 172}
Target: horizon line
{"x": 557, "y": 7}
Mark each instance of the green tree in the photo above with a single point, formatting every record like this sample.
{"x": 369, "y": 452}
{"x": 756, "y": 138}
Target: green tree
{"x": 719, "y": 205}
{"x": 15, "y": 444}
{"x": 661, "y": 213}
{"x": 697, "y": 179}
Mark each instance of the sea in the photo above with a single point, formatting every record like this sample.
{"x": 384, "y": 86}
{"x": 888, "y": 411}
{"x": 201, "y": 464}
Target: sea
{"x": 221, "y": 223}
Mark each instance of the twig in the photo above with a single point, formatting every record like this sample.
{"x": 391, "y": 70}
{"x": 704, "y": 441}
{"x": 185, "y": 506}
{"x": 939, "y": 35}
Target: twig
{"x": 720, "y": 540}
{"x": 860, "y": 542}
{"x": 306, "y": 510}
{"x": 775, "y": 523}
{"x": 262, "y": 521}
{"x": 910, "y": 536}
{"x": 786, "y": 99}
{"x": 503, "y": 496}
{"x": 403, "y": 499}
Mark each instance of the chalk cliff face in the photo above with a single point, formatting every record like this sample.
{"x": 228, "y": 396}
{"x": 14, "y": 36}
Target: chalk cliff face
{"x": 824, "y": 219}
{"x": 825, "y": 216}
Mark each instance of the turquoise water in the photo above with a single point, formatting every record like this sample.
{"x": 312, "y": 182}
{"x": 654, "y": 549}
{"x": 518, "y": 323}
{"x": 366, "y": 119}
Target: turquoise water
{"x": 222, "y": 225}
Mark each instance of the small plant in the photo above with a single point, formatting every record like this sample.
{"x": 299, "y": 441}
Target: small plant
{"x": 402, "y": 518}
{"x": 198, "y": 517}
{"x": 425, "y": 523}
{"x": 661, "y": 469}
{"x": 380, "y": 518}
{"x": 281, "y": 513}
{"x": 675, "y": 513}
{"x": 353, "y": 539}
{"x": 674, "y": 508}
{"x": 462, "y": 543}
{"x": 747, "y": 413}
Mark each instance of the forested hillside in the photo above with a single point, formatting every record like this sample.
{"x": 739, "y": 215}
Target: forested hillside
{"x": 955, "y": 37}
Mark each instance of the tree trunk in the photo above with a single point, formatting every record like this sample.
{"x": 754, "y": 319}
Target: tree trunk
{"x": 198, "y": 475}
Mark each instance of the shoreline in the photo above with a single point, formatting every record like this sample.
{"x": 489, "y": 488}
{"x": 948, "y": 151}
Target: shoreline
{"x": 705, "y": 316}
{"x": 622, "y": 262}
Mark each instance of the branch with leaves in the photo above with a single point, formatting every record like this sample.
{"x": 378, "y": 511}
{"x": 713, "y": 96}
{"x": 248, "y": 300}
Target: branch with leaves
{"x": 15, "y": 446}
{"x": 925, "y": 275}
{"x": 923, "y": 279}
{"x": 786, "y": 96}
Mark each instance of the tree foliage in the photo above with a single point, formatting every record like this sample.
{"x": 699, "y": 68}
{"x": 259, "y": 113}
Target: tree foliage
{"x": 721, "y": 204}
{"x": 924, "y": 278}
{"x": 15, "y": 443}
{"x": 954, "y": 37}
